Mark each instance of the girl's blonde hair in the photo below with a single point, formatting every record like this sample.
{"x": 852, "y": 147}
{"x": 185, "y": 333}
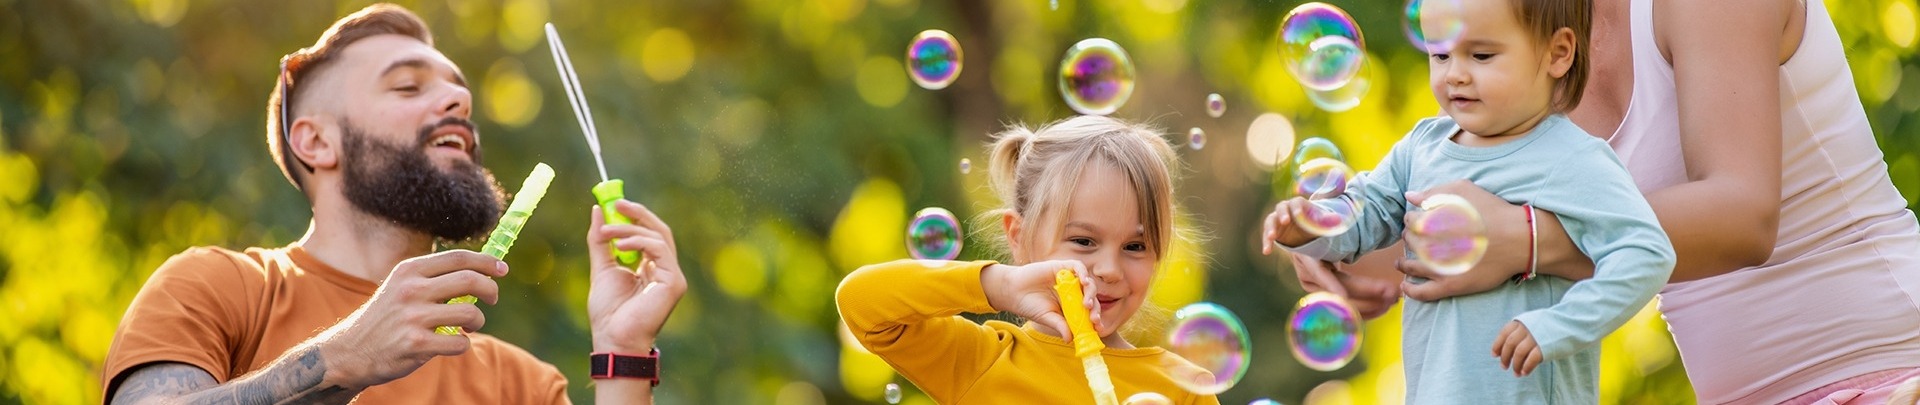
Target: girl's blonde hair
{"x": 1034, "y": 172}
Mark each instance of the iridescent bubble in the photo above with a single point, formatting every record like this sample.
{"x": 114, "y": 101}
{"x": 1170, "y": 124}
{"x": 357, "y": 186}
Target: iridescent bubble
{"x": 1316, "y": 148}
{"x": 1148, "y": 398}
{"x": 1216, "y": 105}
{"x": 1096, "y": 76}
{"x": 933, "y": 59}
{"x": 1324, "y": 331}
{"x": 1328, "y": 217}
{"x": 1213, "y": 339}
{"x": 893, "y": 393}
{"x": 1433, "y": 25}
{"x": 934, "y": 234}
{"x": 966, "y": 166}
{"x": 1449, "y": 237}
{"x": 1196, "y": 138}
{"x": 1264, "y": 401}
{"x": 1343, "y": 98}
{"x": 1321, "y": 45}
{"x": 1322, "y": 178}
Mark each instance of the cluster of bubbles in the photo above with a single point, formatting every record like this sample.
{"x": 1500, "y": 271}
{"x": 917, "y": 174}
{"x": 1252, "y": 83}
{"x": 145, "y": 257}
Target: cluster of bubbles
{"x": 1326, "y": 52}
{"x": 1211, "y": 338}
{"x": 934, "y": 234}
{"x": 1321, "y": 175}
{"x": 1096, "y": 76}
{"x": 933, "y": 59}
{"x": 893, "y": 393}
{"x": 1449, "y": 236}
{"x": 1324, "y": 331}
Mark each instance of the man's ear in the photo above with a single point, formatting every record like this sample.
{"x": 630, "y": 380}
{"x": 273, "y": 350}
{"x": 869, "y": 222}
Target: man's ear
{"x": 314, "y": 144}
{"x": 1010, "y": 223}
{"x": 1560, "y": 52}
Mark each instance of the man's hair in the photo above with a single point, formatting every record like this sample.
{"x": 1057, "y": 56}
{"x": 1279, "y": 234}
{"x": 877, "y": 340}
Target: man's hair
{"x": 1542, "y": 18}
{"x": 310, "y": 62}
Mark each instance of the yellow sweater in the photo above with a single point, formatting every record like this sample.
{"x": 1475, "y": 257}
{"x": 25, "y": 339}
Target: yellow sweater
{"x": 906, "y": 312}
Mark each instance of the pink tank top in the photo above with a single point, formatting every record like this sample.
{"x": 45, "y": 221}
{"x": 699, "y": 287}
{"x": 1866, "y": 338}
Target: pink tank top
{"x": 1840, "y": 296}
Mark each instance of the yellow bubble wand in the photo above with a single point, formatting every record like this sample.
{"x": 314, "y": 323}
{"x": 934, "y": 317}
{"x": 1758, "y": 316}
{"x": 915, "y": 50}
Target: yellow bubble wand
{"x": 1086, "y": 343}
{"x": 531, "y": 191}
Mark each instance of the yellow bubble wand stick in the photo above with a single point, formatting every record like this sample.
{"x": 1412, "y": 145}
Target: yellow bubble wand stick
{"x": 1086, "y": 343}
{"x": 531, "y": 191}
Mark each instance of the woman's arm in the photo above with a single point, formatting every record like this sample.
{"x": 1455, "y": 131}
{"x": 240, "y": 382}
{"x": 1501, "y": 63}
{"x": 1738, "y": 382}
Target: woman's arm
{"x": 1725, "y": 59}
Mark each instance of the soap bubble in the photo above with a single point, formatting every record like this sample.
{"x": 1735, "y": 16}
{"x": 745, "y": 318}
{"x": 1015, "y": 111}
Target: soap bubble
{"x": 1449, "y": 237}
{"x": 893, "y": 393}
{"x": 1212, "y": 338}
{"x": 1433, "y": 26}
{"x": 1196, "y": 138}
{"x": 1324, "y": 331}
{"x": 933, "y": 59}
{"x": 934, "y": 234}
{"x": 1096, "y": 77}
{"x": 1321, "y": 45}
{"x": 1216, "y": 105}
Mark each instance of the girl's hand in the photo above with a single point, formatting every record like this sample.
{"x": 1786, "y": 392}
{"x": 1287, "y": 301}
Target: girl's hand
{"x": 1370, "y": 296}
{"x": 1516, "y": 349}
{"x": 1027, "y": 291}
{"x": 1282, "y": 228}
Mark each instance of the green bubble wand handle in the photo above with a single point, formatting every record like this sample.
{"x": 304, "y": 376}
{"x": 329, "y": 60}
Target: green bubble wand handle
{"x": 531, "y": 191}
{"x": 609, "y": 190}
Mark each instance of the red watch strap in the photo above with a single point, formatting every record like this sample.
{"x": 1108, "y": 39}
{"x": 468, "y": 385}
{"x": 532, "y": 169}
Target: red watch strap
{"x": 616, "y": 365}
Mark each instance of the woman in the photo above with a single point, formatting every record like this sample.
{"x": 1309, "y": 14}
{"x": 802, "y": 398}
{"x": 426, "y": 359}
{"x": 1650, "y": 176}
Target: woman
{"x": 1798, "y": 278}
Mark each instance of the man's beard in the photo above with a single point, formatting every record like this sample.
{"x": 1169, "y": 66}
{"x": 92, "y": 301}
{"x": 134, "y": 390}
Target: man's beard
{"x": 400, "y": 184}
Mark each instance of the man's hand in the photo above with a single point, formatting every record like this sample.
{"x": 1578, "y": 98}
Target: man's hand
{"x": 628, "y": 307}
{"x": 392, "y": 335}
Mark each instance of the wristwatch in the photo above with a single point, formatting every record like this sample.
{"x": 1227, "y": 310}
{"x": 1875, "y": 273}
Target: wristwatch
{"x": 614, "y": 365}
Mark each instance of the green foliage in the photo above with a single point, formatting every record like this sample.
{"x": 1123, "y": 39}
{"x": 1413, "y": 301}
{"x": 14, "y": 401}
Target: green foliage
{"x": 781, "y": 140}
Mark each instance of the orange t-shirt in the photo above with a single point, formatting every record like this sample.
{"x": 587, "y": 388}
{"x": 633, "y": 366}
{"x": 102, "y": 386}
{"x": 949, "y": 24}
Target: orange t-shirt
{"x": 231, "y": 313}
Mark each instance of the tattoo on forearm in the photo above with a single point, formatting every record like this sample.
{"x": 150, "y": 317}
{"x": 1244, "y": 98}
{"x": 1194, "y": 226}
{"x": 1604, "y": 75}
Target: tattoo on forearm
{"x": 295, "y": 378}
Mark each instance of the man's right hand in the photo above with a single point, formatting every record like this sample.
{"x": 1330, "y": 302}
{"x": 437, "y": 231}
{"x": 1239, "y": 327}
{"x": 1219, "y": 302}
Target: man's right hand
{"x": 392, "y": 335}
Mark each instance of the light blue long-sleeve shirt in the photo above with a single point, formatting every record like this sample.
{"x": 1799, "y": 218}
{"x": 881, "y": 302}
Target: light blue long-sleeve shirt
{"x": 1447, "y": 344}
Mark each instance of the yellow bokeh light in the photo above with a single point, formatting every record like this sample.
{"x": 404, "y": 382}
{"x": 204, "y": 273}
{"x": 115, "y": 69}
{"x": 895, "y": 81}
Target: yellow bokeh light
{"x": 880, "y": 82}
{"x": 739, "y": 270}
{"x": 521, "y": 23}
{"x": 512, "y": 99}
{"x": 1898, "y": 21}
{"x": 872, "y": 227}
{"x": 667, "y": 55}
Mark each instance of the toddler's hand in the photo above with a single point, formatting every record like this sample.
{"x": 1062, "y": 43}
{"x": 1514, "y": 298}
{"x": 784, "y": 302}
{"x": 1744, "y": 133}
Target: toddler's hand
{"x": 1027, "y": 291}
{"x": 1282, "y": 226}
{"x": 1516, "y": 349}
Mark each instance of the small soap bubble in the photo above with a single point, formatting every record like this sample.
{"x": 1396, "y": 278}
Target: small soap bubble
{"x": 1324, "y": 331}
{"x": 934, "y": 234}
{"x": 1216, "y": 105}
{"x": 966, "y": 166}
{"x": 1316, "y": 148}
{"x": 1196, "y": 138}
{"x": 893, "y": 393}
{"x": 1148, "y": 398}
{"x": 933, "y": 59}
{"x": 1096, "y": 76}
{"x": 1211, "y": 338}
{"x": 1449, "y": 237}
{"x": 1328, "y": 217}
{"x": 1321, "y": 45}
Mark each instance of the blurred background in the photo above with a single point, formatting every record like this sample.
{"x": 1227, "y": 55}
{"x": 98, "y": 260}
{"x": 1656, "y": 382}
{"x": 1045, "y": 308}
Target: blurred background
{"x": 782, "y": 140}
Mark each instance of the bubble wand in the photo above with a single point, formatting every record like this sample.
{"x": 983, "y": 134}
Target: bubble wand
{"x": 531, "y": 191}
{"x": 1086, "y": 343}
{"x": 609, "y": 190}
